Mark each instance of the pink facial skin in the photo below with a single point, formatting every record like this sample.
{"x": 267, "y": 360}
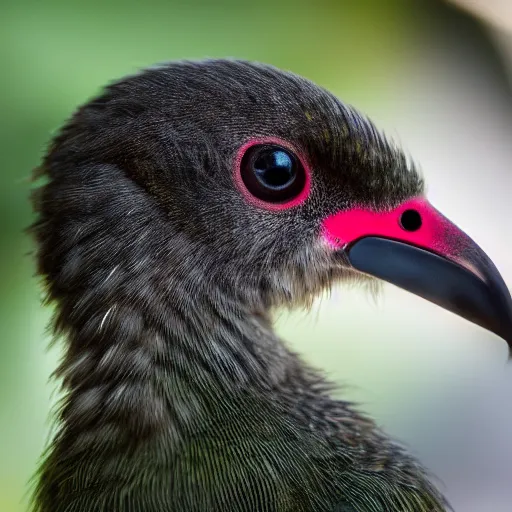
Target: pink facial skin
{"x": 274, "y": 207}
{"x": 436, "y": 234}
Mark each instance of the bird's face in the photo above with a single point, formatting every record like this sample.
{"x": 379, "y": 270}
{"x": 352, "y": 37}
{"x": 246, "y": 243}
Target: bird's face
{"x": 282, "y": 189}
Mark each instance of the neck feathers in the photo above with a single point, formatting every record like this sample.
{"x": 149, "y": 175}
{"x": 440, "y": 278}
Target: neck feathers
{"x": 150, "y": 329}
{"x": 158, "y": 347}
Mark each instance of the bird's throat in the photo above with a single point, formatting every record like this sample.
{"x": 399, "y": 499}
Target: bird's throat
{"x": 138, "y": 377}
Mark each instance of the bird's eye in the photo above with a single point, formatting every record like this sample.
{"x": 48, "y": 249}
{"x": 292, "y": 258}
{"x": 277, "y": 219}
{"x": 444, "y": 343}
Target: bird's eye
{"x": 272, "y": 173}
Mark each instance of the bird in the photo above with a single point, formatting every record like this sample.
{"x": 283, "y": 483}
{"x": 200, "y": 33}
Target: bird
{"x": 174, "y": 213}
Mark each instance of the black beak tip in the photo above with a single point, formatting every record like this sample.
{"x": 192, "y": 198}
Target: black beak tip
{"x": 505, "y": 332}
{"x": 509, "y": 342}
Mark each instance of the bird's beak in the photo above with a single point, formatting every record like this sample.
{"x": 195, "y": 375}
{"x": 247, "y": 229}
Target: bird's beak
{"x": 416, "y": 248}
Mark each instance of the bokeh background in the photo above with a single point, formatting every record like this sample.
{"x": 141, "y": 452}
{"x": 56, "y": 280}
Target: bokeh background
{"x": 434, "y": 76}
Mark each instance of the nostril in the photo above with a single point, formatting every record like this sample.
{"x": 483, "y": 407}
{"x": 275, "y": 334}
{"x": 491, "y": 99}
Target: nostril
{"x": 411, "y": 220}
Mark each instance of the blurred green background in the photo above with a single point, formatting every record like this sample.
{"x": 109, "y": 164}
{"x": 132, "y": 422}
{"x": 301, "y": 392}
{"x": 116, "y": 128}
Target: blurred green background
{"x": 407, "y": 361}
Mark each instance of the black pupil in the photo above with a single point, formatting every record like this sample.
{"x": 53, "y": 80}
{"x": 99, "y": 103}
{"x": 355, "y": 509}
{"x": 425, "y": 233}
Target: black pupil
{"x": 411, "y": 220}
{"x": 272, "y": 173}
{"x": 275, "y": 169}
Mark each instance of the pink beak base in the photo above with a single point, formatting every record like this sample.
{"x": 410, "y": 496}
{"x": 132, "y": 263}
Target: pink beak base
{"x": 418, "y": 249}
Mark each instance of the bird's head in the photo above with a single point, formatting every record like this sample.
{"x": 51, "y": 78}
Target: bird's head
{"x": 253, "y": 181}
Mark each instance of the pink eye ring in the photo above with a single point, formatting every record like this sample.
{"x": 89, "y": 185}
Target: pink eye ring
{"x": 271, "y": 175}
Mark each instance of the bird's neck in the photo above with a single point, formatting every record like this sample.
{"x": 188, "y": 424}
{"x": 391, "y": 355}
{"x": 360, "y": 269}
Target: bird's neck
{"x": 135, "y": 371}
{"x": 154, "y": 337}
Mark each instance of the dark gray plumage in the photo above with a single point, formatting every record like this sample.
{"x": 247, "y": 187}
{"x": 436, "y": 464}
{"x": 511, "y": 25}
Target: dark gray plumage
{"x": 179, "y": 396}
